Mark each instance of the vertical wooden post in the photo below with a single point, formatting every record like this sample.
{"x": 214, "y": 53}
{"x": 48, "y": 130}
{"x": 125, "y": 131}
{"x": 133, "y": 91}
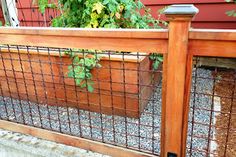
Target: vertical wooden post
{"x": 176, "y": 84}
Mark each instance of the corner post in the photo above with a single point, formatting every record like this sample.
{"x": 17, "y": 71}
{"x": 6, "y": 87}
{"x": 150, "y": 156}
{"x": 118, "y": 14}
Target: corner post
{"x": 176, "y": 83}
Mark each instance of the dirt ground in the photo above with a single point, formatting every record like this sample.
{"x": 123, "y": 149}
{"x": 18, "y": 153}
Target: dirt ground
{"x": 225, "y": 88}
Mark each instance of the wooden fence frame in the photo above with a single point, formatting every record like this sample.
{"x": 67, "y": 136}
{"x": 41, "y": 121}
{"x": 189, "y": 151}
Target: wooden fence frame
{"x": 178, "y": 44}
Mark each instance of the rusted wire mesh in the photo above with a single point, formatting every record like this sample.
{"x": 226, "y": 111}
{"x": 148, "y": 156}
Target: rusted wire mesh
{"x": 212, "y": 114}
{"x": 123, "y": 109}
{"x": 39, "y": 87}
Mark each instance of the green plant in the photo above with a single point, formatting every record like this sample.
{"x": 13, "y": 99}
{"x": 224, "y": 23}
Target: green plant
{"x": 231, "y": 12}
{"x": 43, "y": 4}
{"x": 101, "y": 14}
{"x": 98, "y": 14}
{"x": 81, "y": 67}
{"x": 157, "y": 59}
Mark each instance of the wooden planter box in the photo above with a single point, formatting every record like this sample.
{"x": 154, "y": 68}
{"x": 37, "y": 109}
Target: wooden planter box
{"x": 121, "y": 87}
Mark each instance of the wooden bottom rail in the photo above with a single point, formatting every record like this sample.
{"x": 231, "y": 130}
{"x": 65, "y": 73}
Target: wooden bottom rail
{"x": 90, "y": 145}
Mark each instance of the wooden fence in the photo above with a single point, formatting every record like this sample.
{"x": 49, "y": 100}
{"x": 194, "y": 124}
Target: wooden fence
{"x": 178, "y": 45}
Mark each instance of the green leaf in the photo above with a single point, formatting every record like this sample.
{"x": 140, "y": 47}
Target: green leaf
{"x": 71, "y": 74}
{"x": 78, "y": 81}
{"x": 112, "y": 8}
{"x": 160, "y": 58}
{"x": 90, "y": 88}
{"x": 140, "y": 5}
{"x": 98, "y": 14}
{"x": 98, "y": 7}
{"x": 105, "y": 2}
{"x": 156, "y": 65}
{"x": 76, "y": 60}
{"x": 133, "y": 18}
{"x": 230, "y": 13}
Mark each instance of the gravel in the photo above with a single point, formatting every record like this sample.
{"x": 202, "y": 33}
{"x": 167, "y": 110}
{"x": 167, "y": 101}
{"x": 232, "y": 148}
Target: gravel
{"x": 142, "y": 134}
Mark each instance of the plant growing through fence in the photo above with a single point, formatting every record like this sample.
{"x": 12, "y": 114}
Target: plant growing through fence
{"x": 99, "y": 14}
{"x": 81, "y": 67}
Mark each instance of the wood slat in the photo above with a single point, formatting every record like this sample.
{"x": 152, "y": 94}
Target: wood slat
{"x": 101, "y": 39}
{"x": 187, "y": 88}
{"x": 213, "y": 34}
{"x": 88, "y": 32}
{"x": 131, "y": 57}
{"x": 72, "y": 140}
{"x": 212, "y": 48}
{"x": 212, "y": 42}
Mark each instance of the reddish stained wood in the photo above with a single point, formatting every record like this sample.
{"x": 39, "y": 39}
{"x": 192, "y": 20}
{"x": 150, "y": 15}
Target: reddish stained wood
{"x": 72, "y": 140}
{"x": 163, "y": 107}
{"x": 39, "y": 83}
{"x": 212, "y": 42}
{"x": 212, "y": 48}
{"x": 88, "y": 32}
{"x": 188, "y": 82}
{"x": 115, "y": 44}
{"x": 129, "y": 58}
{"x": 175, "y": 84}
{"x": 101, "y": 39}
{"x": 212, "y": 34}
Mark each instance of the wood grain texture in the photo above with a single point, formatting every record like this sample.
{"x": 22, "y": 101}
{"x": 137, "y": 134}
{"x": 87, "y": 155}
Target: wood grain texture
{"x": 187, "y": 88}
{"x": 90, "y": 145}
{"x": 115, "y": 44}
{"x": 175, "y": 84}
{"x": 163, "y": 107}
{"x": 214, "y": 48}
{"x": 212, "y": 34}
{"x": 88, "y": 32}
{"x": 100, "y": 39}
{"x": 43, "y": 79}
{"x": 132, "y": 57}
{"x": 212, "y": 42}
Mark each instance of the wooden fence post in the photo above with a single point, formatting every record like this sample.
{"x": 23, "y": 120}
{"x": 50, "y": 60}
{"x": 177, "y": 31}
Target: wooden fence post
{"x": 176, "y": 83}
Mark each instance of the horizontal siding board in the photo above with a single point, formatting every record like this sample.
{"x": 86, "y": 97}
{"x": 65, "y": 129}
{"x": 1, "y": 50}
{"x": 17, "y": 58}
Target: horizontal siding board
{"x": 158, "y": 2}
{"x": 215, "y": 25}
{"x": 211, "y": 12}
{"x": 211, "y": 15}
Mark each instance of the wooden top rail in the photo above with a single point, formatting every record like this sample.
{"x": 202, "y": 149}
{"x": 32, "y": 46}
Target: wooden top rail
{"x": 210, "y": 42}
{"x": 130, "y": 57}
{"x": 134, "y": 40}
{"x": 212, "y": 34}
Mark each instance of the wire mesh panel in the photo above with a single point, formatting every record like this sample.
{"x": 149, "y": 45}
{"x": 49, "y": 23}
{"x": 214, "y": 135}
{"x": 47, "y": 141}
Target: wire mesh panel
{"x": 211, "y": 129}
{"x": 26, "y": 13}
{"x": 111, "y": 97}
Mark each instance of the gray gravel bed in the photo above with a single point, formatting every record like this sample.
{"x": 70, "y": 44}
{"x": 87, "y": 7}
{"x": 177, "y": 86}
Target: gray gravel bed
{"x": 142, "y": 133}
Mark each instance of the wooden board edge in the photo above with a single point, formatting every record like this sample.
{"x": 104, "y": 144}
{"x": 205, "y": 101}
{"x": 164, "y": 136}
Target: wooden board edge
{"x": 87, "y": 144}
{"x": 131, "y": 57}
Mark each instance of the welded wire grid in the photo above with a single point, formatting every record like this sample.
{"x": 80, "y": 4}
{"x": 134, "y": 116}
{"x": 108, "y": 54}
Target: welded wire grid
{"x": 26, "y": 13}
{"x": 124, "y": 109}
{"x": 212, "y": 117}
{"x": 29, "y": 14}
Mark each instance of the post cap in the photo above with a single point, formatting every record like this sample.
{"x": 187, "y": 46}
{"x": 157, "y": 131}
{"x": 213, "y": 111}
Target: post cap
{"x": 181, "y": 9}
